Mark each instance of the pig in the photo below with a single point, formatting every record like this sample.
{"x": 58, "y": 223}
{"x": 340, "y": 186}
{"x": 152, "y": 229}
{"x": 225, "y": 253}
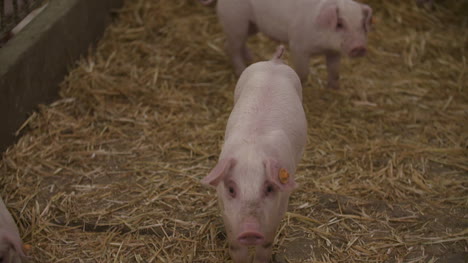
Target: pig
{"x": 11, "y": 250}
{"x": 9, "y": 12}
{"x": 310, "y": 27}
{"x": 9, "y": 7}
{"x": 264, "y": 141}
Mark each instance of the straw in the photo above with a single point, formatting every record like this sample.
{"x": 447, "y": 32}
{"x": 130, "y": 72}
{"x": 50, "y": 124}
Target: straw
{"x": 110, "y": 172}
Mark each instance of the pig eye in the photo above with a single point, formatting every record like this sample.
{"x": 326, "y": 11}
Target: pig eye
{"x": 339, "y": 24}
{"x": 232, "y": 192}
{"x": 269, "y": 190}
{"x": 231, "y": 188}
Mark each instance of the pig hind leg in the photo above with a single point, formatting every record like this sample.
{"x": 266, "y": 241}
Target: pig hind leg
{"x": 235, "y": 23}
{"x": 237, "y": 49}
{"x": 246, "y": 51}
{"x": 301, "y": 60}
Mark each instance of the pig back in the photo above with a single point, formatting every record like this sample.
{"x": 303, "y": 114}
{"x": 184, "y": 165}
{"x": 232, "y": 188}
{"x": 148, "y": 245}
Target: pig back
{"x": 268, "y": 100}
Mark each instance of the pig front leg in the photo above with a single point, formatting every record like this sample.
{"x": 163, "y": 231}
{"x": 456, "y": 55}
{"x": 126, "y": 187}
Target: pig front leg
{"x": 239, "y": 254}
{"x": 333, "y": 69}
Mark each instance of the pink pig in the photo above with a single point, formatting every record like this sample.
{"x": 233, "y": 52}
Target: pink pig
{"x": 265, "y": 137}
{"x": 11, "y": 250}
{"x": 310, "y": 27}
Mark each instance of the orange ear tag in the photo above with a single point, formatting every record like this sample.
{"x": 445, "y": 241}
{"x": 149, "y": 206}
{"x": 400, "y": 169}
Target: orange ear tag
{"x": 283, "y": 176}
{"x": 27, "y": 247}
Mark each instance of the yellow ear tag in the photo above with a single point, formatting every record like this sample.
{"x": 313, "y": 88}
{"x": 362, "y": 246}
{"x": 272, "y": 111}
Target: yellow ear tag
{"x": 283, "y": 176}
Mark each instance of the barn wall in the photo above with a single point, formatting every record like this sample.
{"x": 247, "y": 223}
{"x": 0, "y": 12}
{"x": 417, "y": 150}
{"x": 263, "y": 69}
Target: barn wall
{"x": 35, "y": 61}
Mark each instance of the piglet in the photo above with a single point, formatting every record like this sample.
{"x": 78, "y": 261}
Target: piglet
{"x": 11, "y": 250}
{"x": 9, "y": 13}
{"x": 310, "y": 27}
{"x": 264, "y": 141}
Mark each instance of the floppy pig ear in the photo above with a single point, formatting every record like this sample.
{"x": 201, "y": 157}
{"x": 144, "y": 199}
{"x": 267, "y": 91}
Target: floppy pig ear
{"x": 280, "y": 176}
{"x": 367, "y": 13}
{"x": 328, "y": 16}
{"x": 218, "y": 172}
{"x": 12, "y": 240}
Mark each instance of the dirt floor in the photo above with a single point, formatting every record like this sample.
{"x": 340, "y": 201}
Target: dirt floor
{"x": 110, "y": 172}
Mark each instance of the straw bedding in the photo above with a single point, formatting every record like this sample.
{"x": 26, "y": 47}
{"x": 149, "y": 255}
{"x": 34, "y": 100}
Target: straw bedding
{"x": 110, "y": 171}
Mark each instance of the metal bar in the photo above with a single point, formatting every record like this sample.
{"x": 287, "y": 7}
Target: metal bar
{"x": 15, "y": 11}
{"x": 2, "y": 14}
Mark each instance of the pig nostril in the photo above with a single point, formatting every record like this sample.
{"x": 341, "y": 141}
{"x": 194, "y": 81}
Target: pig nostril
{"x": 358, "y": 52}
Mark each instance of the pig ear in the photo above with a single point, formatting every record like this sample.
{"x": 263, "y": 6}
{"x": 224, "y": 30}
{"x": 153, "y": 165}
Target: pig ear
{"x": 367, "y": 14}
{"x": 12, "y": 240}
{"x": 328, "y": 16}
{"x": 218, "y": 172}
{"x": 279, "y": 175}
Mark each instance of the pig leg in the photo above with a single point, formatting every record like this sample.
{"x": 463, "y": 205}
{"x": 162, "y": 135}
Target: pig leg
{"x": 237, "y": 50}
{"x": 301, "y": 62}
{"x": 235, "y": 22}
{"x": 333, "y": 67}
{"x": 246, "y": 51}
{"x": 247, "y": 55}
{"x": 239, "y": 254}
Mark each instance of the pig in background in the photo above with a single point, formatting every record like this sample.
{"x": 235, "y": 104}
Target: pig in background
{"x": 11, "y": 250}
{"x": 264, "y": 140}
{"x": 9, "y": 11}
{"x": 310, "y": 27}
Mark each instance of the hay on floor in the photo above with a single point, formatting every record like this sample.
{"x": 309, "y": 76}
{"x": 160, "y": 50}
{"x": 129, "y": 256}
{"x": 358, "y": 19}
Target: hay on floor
{"x": 110, "y": 172}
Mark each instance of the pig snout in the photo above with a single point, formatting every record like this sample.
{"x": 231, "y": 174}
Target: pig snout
{"x": 358, "y": 51}
{"x": 355, "y": 47}
{"x": 250, "y": 235}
